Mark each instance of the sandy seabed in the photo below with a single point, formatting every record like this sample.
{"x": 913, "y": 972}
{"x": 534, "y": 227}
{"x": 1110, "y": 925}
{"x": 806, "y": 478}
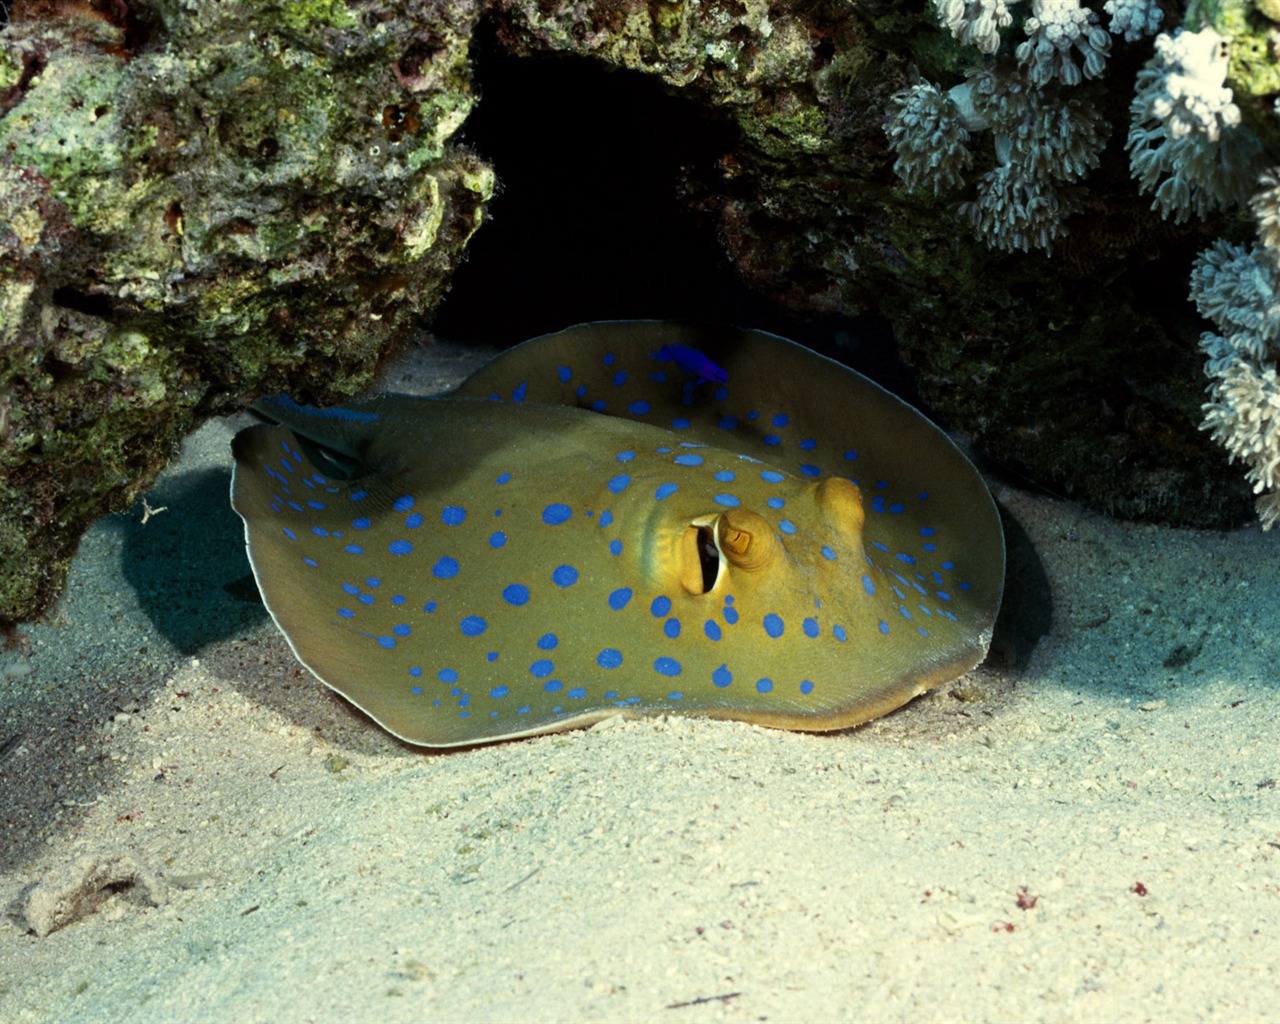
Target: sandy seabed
{"x": 1085, "y": 828}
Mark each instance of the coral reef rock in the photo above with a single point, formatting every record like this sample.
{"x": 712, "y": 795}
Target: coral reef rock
{"x": 197, "y": 202}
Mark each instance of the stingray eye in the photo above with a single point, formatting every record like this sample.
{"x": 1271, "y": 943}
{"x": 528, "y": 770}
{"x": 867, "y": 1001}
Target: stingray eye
{"x": 746, "y": 539}
{"x": 699, "y": 559}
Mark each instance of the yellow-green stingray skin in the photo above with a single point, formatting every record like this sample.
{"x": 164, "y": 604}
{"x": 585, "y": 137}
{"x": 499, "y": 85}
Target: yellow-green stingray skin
{"x": 587, "y": 527}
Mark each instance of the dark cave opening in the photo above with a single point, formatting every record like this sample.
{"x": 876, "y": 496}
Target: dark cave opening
{"x": 588, "y": 222}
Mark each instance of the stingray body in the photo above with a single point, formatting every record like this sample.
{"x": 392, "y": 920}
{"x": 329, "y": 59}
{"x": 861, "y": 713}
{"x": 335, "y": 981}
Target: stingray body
{"x": 589, "y": 527}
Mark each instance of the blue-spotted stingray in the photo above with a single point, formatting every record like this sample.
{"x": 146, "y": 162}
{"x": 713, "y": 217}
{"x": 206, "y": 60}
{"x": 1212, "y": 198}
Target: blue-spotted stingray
{"x": 589, "y": 526}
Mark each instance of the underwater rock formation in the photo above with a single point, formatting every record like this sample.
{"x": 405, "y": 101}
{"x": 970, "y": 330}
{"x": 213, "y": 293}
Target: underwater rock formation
{"x": 199, "y": 202}
{"x": 202, "y": 202}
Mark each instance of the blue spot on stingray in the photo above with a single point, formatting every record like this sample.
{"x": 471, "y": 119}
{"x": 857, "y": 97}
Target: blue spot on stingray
{"x": 839, "y": 633}
{"x": 828, "y": 553}
{"x": 883, "y": 627}
{"x": 772, "y": 440}
{"x": 548, "y": 642}
{"x": 619, "y": 483}
{"x": 808, "y": 444}
{"x": 609, "y": 358}
{"x": 582, "y": 390}
{"x": 943, "y": 595}
{"x": 473, "y": 625}
{"x": 676, "y": 695}
{"x": 619, "y": 598}
{"x": 727, "y": 423}
{"x": 351, "y": 549}
{"x": 927, "y": 531}
{"x": 897, "y": 508}
{"x": 615, "y": 547}
{"x": 516, "y": 594}
{"x": 764, "y": 685}
{"x": 680, "y": 423}
{"x": 721, "y": 393}
{"x": 638, "y": 408}
{"x": 402, "y": 503}
{"x": 770, "y": 477}
{"x": 447, "y": 675}
{"x": 401, "y": 629}
{"x": 619, "y": 378}
{"x": 491, "y": 656}
{"x": 564, "y": 373}
{"x": 773, "y": 625}
{"x": 667, "y": 667}
{"x": 359, "y": 495}
{"x": 519, "y": 391}
{"x": 319, "y": 531}
{"x": 727, "y": 500}
{"x": 553, "y": 686}
{"x": 665, "y": 491}
{"x": 606, "y": 517}
{"x": 688, "y": 460}
{"x": 660, "y": 607}
{"x": 599, "y": 405}
{"x": 311, "y": 561}
{"x": 398, "y": 599}
{"x": 556, "y": 513}
{"x": 346, "y": 613}
{"x": 577, "y": 693}
{"x": 948, "y": 565}
{"x": 625, "y": 456}
{"x": 502, "y": 478}
{"x": 806, "y": 686}
{"x": 445, "y": 569}
{"x": 609, "y": 658}
{"x": 725, "y": 476}
{"x": 775, "y": 503}
{"x": 288, "y": 533}
{"x": 372, "y": 581}
{"x": 413, "y": 521}
{"x": 429, "y": 607}
{"x": 731, "y": 615}
{"x": 542, "y": 668}
{"x": 453, "y": 515}
{"x": 810, "y": 627}
{"x": 850, "y": 455}
{"x": 672, "y": 628}
{"x": 564, "y": 576}
{"x": 524, "y": 710}
{"x": 809, "y": 469}
{"x": 722, "y": 677}
{"x": 497, "y": 539}
{"x": 399, "y": 547}
{"x": 787, "y": 526}
{"x": 781, "y": 420}
{"x": 867, "y": 585}
{"x": 315, "y": 504}
{"x": 498, "y": 692}
{"x": 903, "y": 557}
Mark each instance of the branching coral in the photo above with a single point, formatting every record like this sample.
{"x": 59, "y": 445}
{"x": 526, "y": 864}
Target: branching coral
{"x": 926, "y": 132}
{"x": 1186, "y": 143}
{"x": 1239, "y": 290}
{"x": 1056, "y": 30}
{"x": 976, "y": 22}
{"x": 1042, "y": 138}
{"x": 1133, "y": 19}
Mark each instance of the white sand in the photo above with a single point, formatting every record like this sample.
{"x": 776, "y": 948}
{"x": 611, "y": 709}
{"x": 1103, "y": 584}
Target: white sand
{"x": 1094, "y": 836}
